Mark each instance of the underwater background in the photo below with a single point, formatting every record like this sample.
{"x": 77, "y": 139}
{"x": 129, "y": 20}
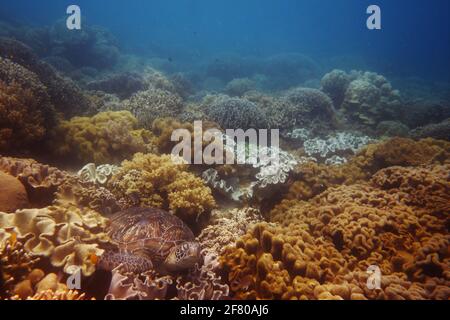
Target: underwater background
{"x": 356, "y": 207}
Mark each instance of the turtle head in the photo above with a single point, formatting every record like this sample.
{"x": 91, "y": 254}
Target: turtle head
{"x": 183, "y": 256}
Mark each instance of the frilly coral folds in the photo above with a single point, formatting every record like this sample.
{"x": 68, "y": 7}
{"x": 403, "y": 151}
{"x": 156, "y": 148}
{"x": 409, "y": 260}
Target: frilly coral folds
{"x": 320, "y": 249}
{"x": 67, "y": 236}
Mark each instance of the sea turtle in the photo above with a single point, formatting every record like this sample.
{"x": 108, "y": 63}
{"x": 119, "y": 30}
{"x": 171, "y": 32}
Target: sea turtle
{"x": 149, "y": 238}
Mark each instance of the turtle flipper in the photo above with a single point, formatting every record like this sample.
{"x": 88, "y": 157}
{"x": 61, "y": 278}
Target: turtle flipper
{"x": 130, "y": 262}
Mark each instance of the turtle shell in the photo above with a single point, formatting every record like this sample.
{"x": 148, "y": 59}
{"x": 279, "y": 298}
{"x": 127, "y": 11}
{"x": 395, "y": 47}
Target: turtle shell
{"x": 148, "y": 232}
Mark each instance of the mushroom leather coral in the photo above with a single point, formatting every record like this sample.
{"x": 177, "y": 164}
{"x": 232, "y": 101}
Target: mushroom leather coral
{"x": 68, "y": 236}
{"x": 108, "y": 137}
{"x": 156, "y": 181}
{"x": 319, "y": 249}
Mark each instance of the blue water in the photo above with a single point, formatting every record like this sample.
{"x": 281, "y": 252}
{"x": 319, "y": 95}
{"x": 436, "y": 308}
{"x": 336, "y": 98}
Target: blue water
{"x": 414, "y": 40}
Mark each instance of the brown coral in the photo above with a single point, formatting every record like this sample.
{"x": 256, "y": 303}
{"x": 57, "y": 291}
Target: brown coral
{"x": 311, "y": 179}
{"x": 12, "y": 193}
{"x": 322, "y": 248}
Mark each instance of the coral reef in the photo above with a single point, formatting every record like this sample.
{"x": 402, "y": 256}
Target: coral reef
{"x": 353, "y": 202}
{"x": 123, "y": 85}
{"x": 320, "y": 249}
{"x": 238, "y": 87}
{"x": 341, "y": 144}
{"x": 311, "y": 179}
{"x": 234, "y": 113}
{"x": 436, "y": 131}
{"x": 335, "y": 84}
{"x": 156, "y": 181}
{"x": 108, "y": 137}
{"x": 306, "y": 108}
{"x": 370, "y": 99}
{"x": 225, "y": 226}
{"x": 392, "y": 129}
{"x": 26, "y": 112}
{"x": 65, "y": 96}
{"x": 153, "y": 103}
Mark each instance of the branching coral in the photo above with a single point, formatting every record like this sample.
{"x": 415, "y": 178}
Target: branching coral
{"x": 153, "y": 103}
{"x": 225, "y": 226}
{"x": 234, "y": 113}
{"x": 64, "y": 94}
{"x": 16, "y": 263}
{"x": 156, "y": 181}
{"x": 108, "y": 137}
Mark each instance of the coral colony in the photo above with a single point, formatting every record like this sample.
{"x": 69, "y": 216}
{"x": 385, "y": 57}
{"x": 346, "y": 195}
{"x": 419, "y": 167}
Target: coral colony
{"x": 256, "y": 177}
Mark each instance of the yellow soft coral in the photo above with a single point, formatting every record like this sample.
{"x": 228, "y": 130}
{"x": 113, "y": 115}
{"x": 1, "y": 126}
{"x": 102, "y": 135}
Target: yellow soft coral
{"x": 108, "y": 137}
{"x": 156, "y": 181}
